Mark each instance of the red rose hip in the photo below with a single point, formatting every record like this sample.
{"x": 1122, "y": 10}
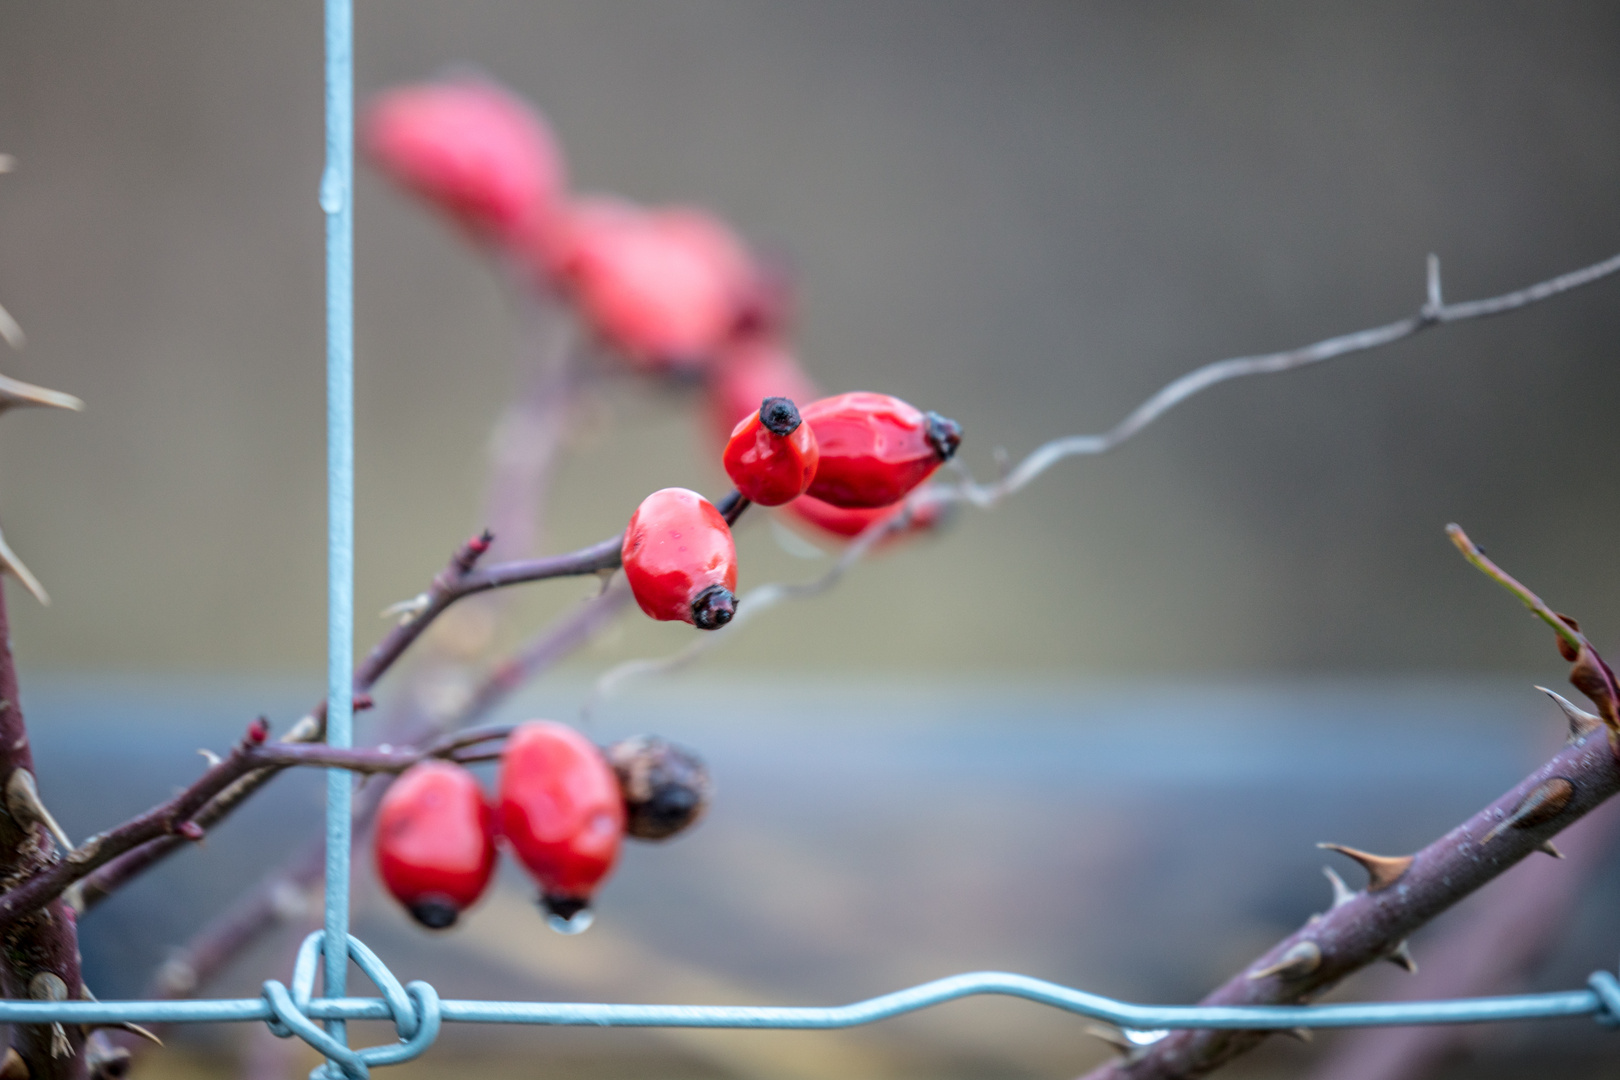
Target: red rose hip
{"x": 772, "y": 454}
{"x": 746, "y": 374}
{"x": 562, "y": 814}
{"x": 476, "y": 152}
{"x": 680, "y": 560}
{"x": 875, "y": 448}
{"x": 665, "y": 288}
{"x": 435, "y": 842}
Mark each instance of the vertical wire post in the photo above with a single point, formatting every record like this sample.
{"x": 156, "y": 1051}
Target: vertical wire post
{"x": 337, "y": 185}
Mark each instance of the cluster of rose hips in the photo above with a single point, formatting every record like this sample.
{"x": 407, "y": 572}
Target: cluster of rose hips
{"x": 854, "y": 452}
{"x": 561, "y": 806}
{"x": 670, "y": 292}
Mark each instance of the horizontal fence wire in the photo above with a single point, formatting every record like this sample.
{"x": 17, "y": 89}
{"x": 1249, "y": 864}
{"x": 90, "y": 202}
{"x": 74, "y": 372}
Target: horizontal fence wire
{"x": 1598, "y": 1001}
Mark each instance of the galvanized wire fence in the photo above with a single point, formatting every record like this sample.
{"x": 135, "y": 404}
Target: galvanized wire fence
{"x": 416, "y": 1009}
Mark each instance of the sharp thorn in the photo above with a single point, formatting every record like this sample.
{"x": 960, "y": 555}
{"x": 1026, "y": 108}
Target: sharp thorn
{"x": 1301, "y": 959}
{"x": 1110, "y": 1035}
{"x": 11, "y": 331}
{"x": 14, "y": 393}
{"x": 209, "y": 756}
{"x": 9, "y": 563}
{"x": 26, "y": 807}
{"x": 136, "y": 1029}
{"x": 1304, "y": 1035}
{"x": 406, "y": 610}
{"x": 1581, "y": 722}
{"x": 1382, "y": 870}
{"x": 125, "y": 1025}
{"x": 1550, "y": 849}
{"x": 1401, "y": 957}
{"x": 1546, "y": 801}
{"x": 1341, "y": 892}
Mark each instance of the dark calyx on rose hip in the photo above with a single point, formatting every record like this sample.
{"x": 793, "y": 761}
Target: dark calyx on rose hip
{"x": 713, "y": 608}
{"x": 944, "y": 434}
{"x": 781, "y": 417}
{"x": 435, "y": 912}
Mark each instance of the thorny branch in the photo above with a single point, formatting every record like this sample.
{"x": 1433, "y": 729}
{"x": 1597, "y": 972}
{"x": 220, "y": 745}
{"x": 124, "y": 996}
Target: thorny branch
{"x": 115, "y": 856}
{"x": 1434, "y": 312}
{"x": 1404, "y": 892}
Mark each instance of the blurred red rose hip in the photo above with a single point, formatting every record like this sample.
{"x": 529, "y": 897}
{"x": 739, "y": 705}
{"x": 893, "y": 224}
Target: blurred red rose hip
{"x": 435, "y": 842}
{"x": 562, "y": 814}
{"x": 747, "y": 373}
{"x": 664, "y": 288}
{"x": 475, "y": 151}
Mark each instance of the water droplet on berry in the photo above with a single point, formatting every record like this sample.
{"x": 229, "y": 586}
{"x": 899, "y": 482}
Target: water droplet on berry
{"x": 578, "y": 923}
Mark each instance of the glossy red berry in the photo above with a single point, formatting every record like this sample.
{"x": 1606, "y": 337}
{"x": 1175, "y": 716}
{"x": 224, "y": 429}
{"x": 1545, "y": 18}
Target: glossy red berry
{"x": 680, "y": 560}
{"x": 875, "y": 448}
{"x": 748, "y": 373}
{"x": 476, "y": 152}
{"x": 772, "y": 454}
{"x": 435, "y": 842}
{"x": 562, "y": 815}
{"x": 664, "y": 288}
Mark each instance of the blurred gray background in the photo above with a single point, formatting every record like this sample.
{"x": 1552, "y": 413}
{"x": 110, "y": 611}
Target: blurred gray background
{"x": 1091, "y": 735}
{"x": 1026, "y": 215}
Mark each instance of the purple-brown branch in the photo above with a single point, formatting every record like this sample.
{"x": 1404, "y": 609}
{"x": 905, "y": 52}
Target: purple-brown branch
{"x": 1407, "y": 892}
{"x": 1505, "y": 937}
{"x": 41, "y": 950}
{"x": 130, "y": 849}
{"x": 1373, "y": 925}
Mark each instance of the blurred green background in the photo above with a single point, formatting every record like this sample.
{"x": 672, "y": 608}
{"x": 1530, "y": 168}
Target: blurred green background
{"x": 1025, "y": 215}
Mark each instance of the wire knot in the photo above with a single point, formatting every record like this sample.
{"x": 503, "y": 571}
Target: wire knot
{"x": 1607, "y": 989}
{"x": 414, "y": 1008}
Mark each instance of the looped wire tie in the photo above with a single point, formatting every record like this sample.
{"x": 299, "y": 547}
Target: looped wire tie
{"x": 413, "y": 1007}
{"x": 1607, "y": 988}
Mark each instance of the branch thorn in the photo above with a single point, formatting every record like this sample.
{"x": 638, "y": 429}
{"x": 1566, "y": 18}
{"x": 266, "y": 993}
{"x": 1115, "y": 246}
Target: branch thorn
{"x": 406, "y": 610}
{"x": 26, "y": 808}
{"x": 1551, "y": 849}
{"x": 1382, "y": 870}
{"x": 9, "y": 563}
{"x": 1401, "y": 957}
{"x": 1302, "y": 959}
{"x": 12, "y": 332}
{"x": 1546, "y": 801}
{"x": 1581, "y": 722}
{"x": 1341, "y": 892}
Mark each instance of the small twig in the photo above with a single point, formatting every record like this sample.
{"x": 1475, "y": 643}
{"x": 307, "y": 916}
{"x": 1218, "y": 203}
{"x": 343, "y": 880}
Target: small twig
{"x": 458, "y": 580}
{"x": 1434, "y": 312}
{"x": 278, "y": 895}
